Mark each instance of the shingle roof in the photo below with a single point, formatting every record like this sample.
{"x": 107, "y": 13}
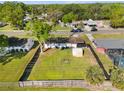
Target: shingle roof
{"x": 110, "y": 43}
{"x": 65, "y": 40}
{"x": 91, "y": 22}
{"x": 13, "y": 41}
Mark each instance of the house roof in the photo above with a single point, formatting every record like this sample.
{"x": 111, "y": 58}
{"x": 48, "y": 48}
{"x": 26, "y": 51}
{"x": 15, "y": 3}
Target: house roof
{"x": 90, "y": 22}
{"x": 76, "y": 40}
{"x": 2, "y": 23}
{"x": 57, "y": 40}
{"x": 65, "y": 40}
{"x": 110, "y": 43}
{"x": 13, "y": 41}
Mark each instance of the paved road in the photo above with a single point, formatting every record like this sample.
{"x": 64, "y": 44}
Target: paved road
{"x": 14, "y": 33}
{"x": 64, "y": 32}
{"x": 96, "y": 32}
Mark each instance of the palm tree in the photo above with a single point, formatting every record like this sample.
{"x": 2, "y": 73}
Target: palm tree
{"x": 94, "y": 75}
{"x": 117, "y": 78}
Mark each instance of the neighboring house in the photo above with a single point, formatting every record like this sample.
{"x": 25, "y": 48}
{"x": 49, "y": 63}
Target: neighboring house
{"x": 90, "y": 22}
{"x": 75, "y": 24}
{"x": 18, "y": 45}
{"x": 27, "y": 17}
{"x": 77, "y": 44}
{"x": 114, "y": 48}
{"x": 89, "y": 25}
{"x": 42, "y": 16}
{"x": 104, "y": 44}
{"x": 2, "y": 24}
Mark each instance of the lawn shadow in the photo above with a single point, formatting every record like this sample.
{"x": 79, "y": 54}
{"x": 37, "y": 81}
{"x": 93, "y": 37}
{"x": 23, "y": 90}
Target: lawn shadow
{"x": 14, "y": 55}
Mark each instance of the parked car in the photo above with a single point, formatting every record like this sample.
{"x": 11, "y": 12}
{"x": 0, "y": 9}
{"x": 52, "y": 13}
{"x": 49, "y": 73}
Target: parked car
{"x": 76, "y": 30}
{"x": 93, "y": 29}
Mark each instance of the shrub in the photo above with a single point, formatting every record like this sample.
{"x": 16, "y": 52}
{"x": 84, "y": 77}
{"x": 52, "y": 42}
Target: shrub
{"x": 117, "y": 78}
{"x": 94, "y": 75}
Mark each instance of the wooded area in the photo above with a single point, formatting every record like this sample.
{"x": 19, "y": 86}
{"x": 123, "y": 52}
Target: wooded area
{"x": 14, "y": 12}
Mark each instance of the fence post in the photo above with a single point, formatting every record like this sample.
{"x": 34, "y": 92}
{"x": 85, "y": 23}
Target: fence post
{"x": 21, "y": 84}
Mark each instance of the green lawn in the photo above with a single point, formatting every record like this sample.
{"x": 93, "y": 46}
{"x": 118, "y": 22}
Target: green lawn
{"x": 106, "y": 61}
{"x": 12, "y": 66}
{"x": 120, "y": 36}
{"x": 58, "y": 27}
{"x": 60, "y": 64}
{"x": 40, "y": 89}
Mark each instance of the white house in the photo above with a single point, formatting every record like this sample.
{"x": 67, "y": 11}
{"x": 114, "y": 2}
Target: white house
{"x": 90, "y": 22}
{"x": 77, "y": 44}
{"x": 89, "y": 25}
{"x": 26, "y": 46}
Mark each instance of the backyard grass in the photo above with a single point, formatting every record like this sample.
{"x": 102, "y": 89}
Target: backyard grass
{"x": 60, "y": 64}
{"x": 119, "y": 36}
{"x": 40, "y": 89}
{"x": 58, "y": 27}
{"x": 106, "y": 61}
{"x": 13, "y": 65}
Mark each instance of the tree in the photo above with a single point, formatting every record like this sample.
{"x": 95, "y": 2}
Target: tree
{"x": 40, "y": 31}
{"x": 117, "y": 16}
{"x": 29, "y": 26}
{"x": 18, "y": 16}
{"x": 117, "y": 78}
{"x": 105, "y": 12}
{"x": 94, "y": 75}
{"x": 13, "y": 13}
{"x": 3, "y": 43}
{"x": 68, "y": 18}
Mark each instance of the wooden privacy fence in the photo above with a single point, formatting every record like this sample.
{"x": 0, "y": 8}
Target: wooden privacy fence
{"x": 59, "y": 84}
{"x": 54, "y": 83}
{"x": 9, "y": 84}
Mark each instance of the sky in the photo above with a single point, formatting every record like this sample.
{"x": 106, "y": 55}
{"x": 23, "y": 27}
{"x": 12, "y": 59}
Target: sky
{"x": 63, "y": 2}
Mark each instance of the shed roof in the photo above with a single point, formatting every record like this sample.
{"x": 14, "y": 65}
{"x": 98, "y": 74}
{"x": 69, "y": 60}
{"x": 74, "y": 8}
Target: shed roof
{"x": 110, "y": 43}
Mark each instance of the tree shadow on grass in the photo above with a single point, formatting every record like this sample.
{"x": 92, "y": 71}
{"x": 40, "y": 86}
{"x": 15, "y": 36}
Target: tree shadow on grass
{"x": 10, "y": 56}
{"x": 14, "y": 55}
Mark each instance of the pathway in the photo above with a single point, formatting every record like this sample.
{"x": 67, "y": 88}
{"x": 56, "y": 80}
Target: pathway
{"x": 64, "y": 32}
{"x": 86, "y": 32}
